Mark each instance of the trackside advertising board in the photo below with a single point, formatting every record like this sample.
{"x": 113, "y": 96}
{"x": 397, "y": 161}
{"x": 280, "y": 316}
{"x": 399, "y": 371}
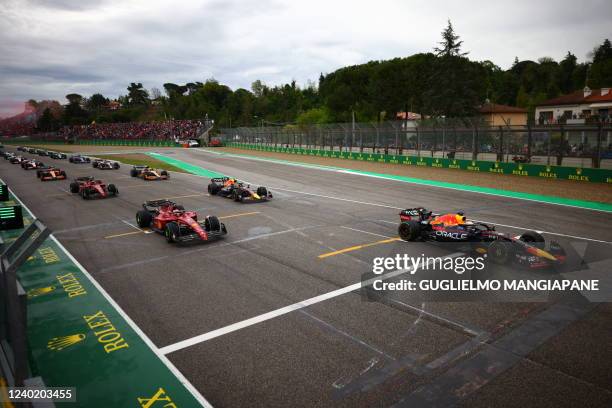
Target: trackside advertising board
{"x": 516, "y": 169}
{"x": 78, "y": 337}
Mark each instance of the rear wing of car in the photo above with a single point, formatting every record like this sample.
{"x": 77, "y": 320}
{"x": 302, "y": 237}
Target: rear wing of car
{"x": 219, "y": 179}
{"x": 157, "y": 203}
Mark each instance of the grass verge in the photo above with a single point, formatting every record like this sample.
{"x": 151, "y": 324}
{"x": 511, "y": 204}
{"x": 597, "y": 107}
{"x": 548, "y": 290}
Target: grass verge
{"x": 138, "y": 159}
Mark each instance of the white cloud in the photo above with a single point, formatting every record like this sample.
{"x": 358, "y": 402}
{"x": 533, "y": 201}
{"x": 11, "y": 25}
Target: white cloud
{"x": 52, "y": 47}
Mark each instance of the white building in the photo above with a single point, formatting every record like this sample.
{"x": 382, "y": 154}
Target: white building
{"x": 576, "y": 107}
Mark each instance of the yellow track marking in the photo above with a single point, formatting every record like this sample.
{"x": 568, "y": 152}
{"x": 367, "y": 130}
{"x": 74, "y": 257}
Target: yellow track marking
{"x": 184, "y": 196}
{"x": 357, "y": 247}
{"x": 238, "y": 215}
{"x": 124, "y": 234}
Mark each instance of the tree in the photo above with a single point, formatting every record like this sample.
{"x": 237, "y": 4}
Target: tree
{"x": 450, "y": 46}
{"x": 96, "y": 102}
{"x": 46, "y": 122}
{"x": 566, "y": 75}
{"x": 137, "y": 95}
{"x": 313, "y": 116}
{"x": 603, "y": 52}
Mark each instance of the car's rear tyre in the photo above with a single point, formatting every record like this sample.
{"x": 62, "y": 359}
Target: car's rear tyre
{"x": 143, "y": 218}
{"x": 116, "y": 166}
{"x": 213, "y": 188}
{"x": 179, "y": 207}
{"x": 533, "y": 238}
{"x": 262, "y": 192}
{"x": 74, "y": 187}
{"x": 409, "y": 231}
{"x": 172, "y": 232}
{"x": 94, "y": 164}
{"x": 164, "y": 173}
{"x": 500, "y": 252}
{"x": 134, "y": 173}
{"x": 38, "y": 173}
{"x": 113, "y": 190}
{"x": 85, "y": 194}
{"x": 63, "y": 173}
{"x": 212, "y": 223}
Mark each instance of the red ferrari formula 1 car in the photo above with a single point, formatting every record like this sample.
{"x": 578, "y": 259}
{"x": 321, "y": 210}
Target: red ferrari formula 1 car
{"x": 89, "y": 188}
{"x": 51, "y": 173}
{"x": 529, "y": 249}
{"x": 32, "y": 164}
{"x": 237, "y": 190}
{"x": 177, "y": 224}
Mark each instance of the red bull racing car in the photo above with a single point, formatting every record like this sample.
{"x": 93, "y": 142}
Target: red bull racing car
{"x": 529, "y": 249}
{"x": 90, "y": 188}
{"x": 51, "y": 173}
{"x": 177, "y": 224}
{"x": 237, "y": 190}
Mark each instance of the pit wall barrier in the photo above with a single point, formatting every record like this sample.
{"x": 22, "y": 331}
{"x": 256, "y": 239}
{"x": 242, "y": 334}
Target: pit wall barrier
{"x": 478, "y": 166}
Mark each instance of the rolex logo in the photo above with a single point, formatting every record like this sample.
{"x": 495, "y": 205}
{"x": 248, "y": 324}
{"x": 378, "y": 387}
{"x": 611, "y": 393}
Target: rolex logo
{"x": 520, "y": 167}
{"x": 454, "y": 161}
{"x": 548, "y": 169}
{"x": 496, "y": 165}
{"x": 578, "y": 171}
{"x": 60, "y": 343}
{"x": 473, "y": 163}
{"x": 32, "y": 293}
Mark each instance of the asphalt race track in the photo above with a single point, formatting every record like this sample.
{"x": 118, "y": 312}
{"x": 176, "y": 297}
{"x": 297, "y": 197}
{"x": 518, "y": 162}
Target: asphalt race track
{"x": 260, "y": 319}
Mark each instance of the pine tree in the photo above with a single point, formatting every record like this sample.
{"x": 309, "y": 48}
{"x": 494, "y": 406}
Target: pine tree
{"x": 450, "y": 44}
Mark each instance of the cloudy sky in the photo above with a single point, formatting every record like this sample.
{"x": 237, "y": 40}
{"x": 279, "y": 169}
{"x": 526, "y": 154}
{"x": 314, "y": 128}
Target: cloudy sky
{"x": 49, "y": 48}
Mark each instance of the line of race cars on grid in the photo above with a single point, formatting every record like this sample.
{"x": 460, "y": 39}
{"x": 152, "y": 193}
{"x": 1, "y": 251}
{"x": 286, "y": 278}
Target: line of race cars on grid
{"x": 416, "y": 224}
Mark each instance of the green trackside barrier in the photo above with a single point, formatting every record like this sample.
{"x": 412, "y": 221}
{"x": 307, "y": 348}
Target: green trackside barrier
{"x": 479, "y": 166}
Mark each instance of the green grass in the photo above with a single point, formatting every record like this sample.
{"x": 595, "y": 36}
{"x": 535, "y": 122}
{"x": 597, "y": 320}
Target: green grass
{"x": 138, "y": 159}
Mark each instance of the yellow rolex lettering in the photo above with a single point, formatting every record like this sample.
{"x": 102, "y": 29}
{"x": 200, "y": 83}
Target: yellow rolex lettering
{"x": 160, "y": 396}
{"x": 98, "y": 315}
{"x": 109, "y": 336}
{"x": 119, "y": 344}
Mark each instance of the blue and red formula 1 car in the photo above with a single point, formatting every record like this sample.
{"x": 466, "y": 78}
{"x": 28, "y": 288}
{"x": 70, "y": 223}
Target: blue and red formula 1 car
{"x": 529, "y": 249}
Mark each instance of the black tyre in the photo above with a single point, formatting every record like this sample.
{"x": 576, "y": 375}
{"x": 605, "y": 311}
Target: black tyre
{"x": 262, "y": 192}
{"x": 85, "y": 194}
{"x": 116, "y": 166}
{"x": 500, "y": 252}
{"x": 409, "y": 231}
{"x": 94, "y": 164}
{"x": 63, "y": 173}
{"x": 180, "y": 207}
{"x": 164, "y": 173}
{"x": 143, "y": 218}
{"x": 212, "y": 223}
{"x": 38, "y": 173}
{"x": 74, "y": 187}
{"x": 134, "y": 173}
{"x": 172, "y": 232}
{"x": 213, "y": 188}
{"x": 112, "y": 190}
{"x": 533, "y": 238}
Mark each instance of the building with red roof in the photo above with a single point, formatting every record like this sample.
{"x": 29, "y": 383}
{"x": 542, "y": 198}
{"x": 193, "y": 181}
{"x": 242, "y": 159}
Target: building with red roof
{"x": 502, "y": 115}
{"x": 577, "y": 107}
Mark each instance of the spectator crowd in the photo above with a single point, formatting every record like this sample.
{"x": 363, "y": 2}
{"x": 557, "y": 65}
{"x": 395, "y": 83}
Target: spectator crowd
{"x": 164, "y": 130}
